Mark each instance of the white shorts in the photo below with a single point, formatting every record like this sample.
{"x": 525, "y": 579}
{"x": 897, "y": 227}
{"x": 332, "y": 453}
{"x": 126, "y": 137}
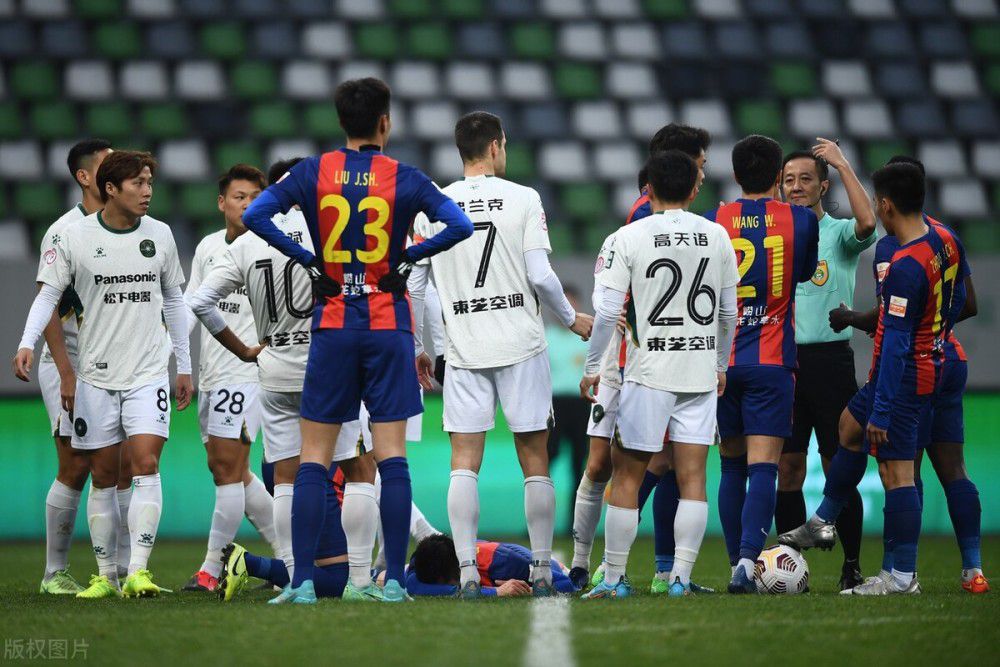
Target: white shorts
{"x": 524, "y": 390}
{"x": 604, "y": 413}
{"x": 230, "y": 411}
{"x": 48, "y": 380}
{"x": 646, "y": 414}
{"x": 280, "y": 417}
{"x": 103, "y": 417}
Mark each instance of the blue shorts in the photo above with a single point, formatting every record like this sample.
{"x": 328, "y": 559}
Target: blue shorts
{"x": 758, "y": 401}
{"x": 943, "y": 419}
{"x": 347, "y": 366}
{"x": 904, "y": 421}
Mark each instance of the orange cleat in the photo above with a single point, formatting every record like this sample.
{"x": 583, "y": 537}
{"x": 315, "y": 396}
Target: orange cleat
{"x": 202, "y": 581}
{"x": 977, "y": 585}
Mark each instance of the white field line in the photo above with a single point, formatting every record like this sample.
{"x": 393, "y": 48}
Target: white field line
{"x": 549, "y": 634}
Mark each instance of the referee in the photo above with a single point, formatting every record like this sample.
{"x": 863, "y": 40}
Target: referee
{"x": 825, "y": 381}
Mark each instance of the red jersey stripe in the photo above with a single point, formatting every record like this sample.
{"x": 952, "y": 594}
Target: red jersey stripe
{"x": 772, "y": 339}
{"x": 641, "y": 201}
{"x": 331, "y": 165}
{"x": 381, "y": 307}
{"x": 728, "y": 212}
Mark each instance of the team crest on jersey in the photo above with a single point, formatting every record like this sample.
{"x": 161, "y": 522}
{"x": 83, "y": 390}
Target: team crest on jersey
{"x": 822, "y": 273}
{"x": 597, "y": 414}
{"x": 881, "y": 269}
{"x": 147, "y": 248}
{"x": 99, "y": 252}
{"x": 80, "y": 426}
{"x": 50, "y": 255}
{"x": 897, "y": 306}
{"x": 599, "y": 265}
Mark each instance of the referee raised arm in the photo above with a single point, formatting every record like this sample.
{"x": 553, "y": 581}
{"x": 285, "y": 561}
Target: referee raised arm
{"x": 825, "y": 381}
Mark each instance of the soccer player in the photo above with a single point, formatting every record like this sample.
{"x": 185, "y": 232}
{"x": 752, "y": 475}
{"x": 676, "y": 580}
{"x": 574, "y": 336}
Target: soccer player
{"x": 694, "y": 142}
{"x": 776, "y": 244}
{"x": 124, "y": 267}
{"x": 825, "y": 380}
{"x": 358, "y": 204}
{"x": 57, "y": 379}
{"x": 681, "y": 271}
{"x": 228, "y": 406}
{"x": 511, "y": 276}
{"x": 917, "y": 306}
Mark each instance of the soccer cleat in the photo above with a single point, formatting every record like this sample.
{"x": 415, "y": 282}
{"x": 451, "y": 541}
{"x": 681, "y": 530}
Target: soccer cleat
{"x": 679, "y": 590}
{"x": 305, "y": 594}
{"x": 470, "y": 591}
{"x": 99, "y": 587}
{"x": 850, "y": 576}
{"x": 140, "y": 584}
{"x": 61, "y": 583}
{"x": 700, "y": 590}
{"x": 393, "y": 592}
{"x": 370, "y": 593}
{"x": 234, "y": 577}
{"x": 976, "y": 584}
{"x": 883, "y": 584}
{"x": 542, "y": 588}
{"x": 286, "y": 595}
{"x": 741, "y": 583}
{"x": 598, "y": 574}
{"x": 579, "y": 577}
{"x": 622, "y": 589}
{"x": 202, "y": 581}
{"x": 660, "y": 584}
{"x": 813, "y": 533}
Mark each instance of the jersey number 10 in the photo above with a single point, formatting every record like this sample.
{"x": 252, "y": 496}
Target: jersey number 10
{"x": 267, "y": 268}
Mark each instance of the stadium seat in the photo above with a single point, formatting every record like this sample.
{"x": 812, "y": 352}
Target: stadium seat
{"x": 769, "y": 9}
{"x": 110, "y": 120}
{"x": 16, "y": 38}
{"x": 563, "y": 9}
{"x": 320, "y": 121}
{"x": 708, "y": 197}
{"x": 254, "y": 80}
{"x": 596, "y": 120}
{"x": 309, "y": 8}
{"x": 564, "y": 161}
{"x": 462, "y": 9}
{"x": 520, "y": 162}
{"x": 975, "y": 118}
{"x": 326, "y": 40}
{"x": 11, "y": 126}
{"x": 709, "y": 114}
{"x": 55, "y": 160}
{"x": 470, "y": 80}
{"x": 88, "y": 80}
{"x": 635, "y": 41}
{"x": 985, "y": 39}
{"x": 446, "y": 162}
{"x": 742, "y": 79}
{"x": 525, "y": 81}
{"x": 793, "y": 79}
{"x": 434, "y": 120}
{"x": 222, "y": 40}
{"x": 202, "y": 9}
{"x": 846, "y": 78}
{"x": 577, "y": 80}
{"x": 981, "y": 237}
{"x": 616, "y": 160}
{"x": 586, "y": 202}
{"x": 975, "y": 8}
{"x": 925, "y": 9}
{"x": 991, "y": 79}
{"x": 118, "y": 41}
{"x": 199, "y": 201}
{"x": 534, "y": 41}
{"x": 873, "y": 9}
{"x": 544, "y": 121}
{"x": 645, "y": 118}
{"x": 839, "y": 38}
{"x": 631, "y": 80}
{"x": 482, "y": 40}
{"x": 890, "y": 40}
{"x": 664, "y": 10}
{"x": 431, "y": 41}
{"x": 64, "y": 39}
{"x": 822, "y": 9}
{"x": 789, "y": 39}
{"x": 359, "y": 9}
{"x": 183, "y": 160}
{"x": 986, "y": 158}
{"x": 921, "y": 118}
{"x": 20, "y": 160}
{"x": 582, "y": 41}
{"x": 737, "y": 41}
{"x": 38, "y": 201}
{"x": 812, "y": 118}
{"x": 943, "y": 39}
{"x": 46, "y": 9}
{"x": 34, "y": 80}
{"x": 144, "y": 80}
{"x": 170, "y": 39}
{"x": 53, "y": 120}
{"x": 877, "y": 153}
{"x": 718, "y": 9}
{"x": 229, "y": 153}
{"x": 900, "y": 79}
{"x": 151, "y": 9}
{"x": 97, "y": 9}
{"x": 954, "y": 79}
{"x": 415, "y": 79}
{"x": 868, "y": 119}
{"x": 164, "y": 121}
{"x": 617, "y": 9}
{"x": 686, "y": 40}
{"x": 257, "y": 8}
{"x": 273, "y": 120}
{"x": 14, "y": 241}
{"x": 307, "y": 79}
{"x": 963, "y": 198}
{"x": 200, "y": 80}
{"x": 720, "y": 167}
{"x": 942, "y": 158}
{"x": 282, "y": 150}
{"x": 277, "y": 40}
{"x": 410, "y": 9}
{"x": 759, "y": 116}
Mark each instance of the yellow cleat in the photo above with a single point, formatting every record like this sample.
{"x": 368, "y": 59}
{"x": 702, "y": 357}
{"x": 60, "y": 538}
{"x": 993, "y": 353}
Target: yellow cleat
{"x": 100, "y": 587}
{"x": 60, "y": 583}
{"x": 140, "y": 584}
{"x": 234, "y": 575}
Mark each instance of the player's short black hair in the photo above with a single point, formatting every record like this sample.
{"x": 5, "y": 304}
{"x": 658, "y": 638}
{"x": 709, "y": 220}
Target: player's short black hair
{"x": 906, "y": 159}
{"x": 685, "y": 138}
{"x": 360, "y": 103}
{"x": 822, "y": 167}
{"x": 903, "y": 184}
{"x": 672, "y": 175}
{"x": 434, "y": 560}
{"x": 81, "y": 152}
{"x": 474, "y": 132}
{"x": 280, "y": 168}
{"x": 120, "y": 166}
{"x": 241, "y": 172}
{"x": 756, "y": 163}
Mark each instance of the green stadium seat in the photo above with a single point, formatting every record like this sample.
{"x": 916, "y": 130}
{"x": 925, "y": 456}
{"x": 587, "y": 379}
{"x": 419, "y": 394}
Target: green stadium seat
{"x": 794, "y": 80}
{"x": 665, "y": 9}
{"x": 708, "y": 197}
{"x": 163, "y": 202}
{"x": 229, "y": 153}
{"x": 223, "y": 40}
{"x": 986, "y": 40}
{"x": 996, "y": 200}
{"x": 463, "y": 9}
{"x": 877, "y": 153}
{"x": 3, "y": 206}
{"x": 982, "y": 237}
{"x": 584, "y": 200}
{"x": 34, "y": 80}
{"x": 991, "y": 79}
{"x": 591, "y": 233}
{"x": 320, "y": 121}
{"x": 117, "y": 40}
{"x": 533, "y": 40}
{"x": 111, "y": 120}
{"x": 199, "y": 200}
{"x": 54, "y": 120}
{"x": 561, "y": 237}
{"x": 576, "y": 80}
{"x": 431, "y": 41}
{"x": 377, "y": 40}
{"x": 39, "y": 201}
{"x": 254, "y": 80}
{"x": 273, "y": 119}
{"x": 411, "y": 9}
{"x": 520, "y": 163}
{"x": 98, "y": 9}
{"x": 10, "y": 121}
{"x": 759, "y": 116}
{"x": 164, "y": 121}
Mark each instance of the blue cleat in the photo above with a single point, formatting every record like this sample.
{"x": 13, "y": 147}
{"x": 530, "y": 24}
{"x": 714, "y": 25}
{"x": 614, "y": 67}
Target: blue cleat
{"x": 305, "y": 594}
{"x": 579, "y": 577}
{"x": 393, "y": 592}
{"x": 470, "y": 591}
{"x": 700, "y": 590}
{"x": 679, "y": 590}
{"x": 287, "y": 595}
{"x": 741, "y": 583}
{"x": 622, "y": 589}
{"x": 542, "y": 588}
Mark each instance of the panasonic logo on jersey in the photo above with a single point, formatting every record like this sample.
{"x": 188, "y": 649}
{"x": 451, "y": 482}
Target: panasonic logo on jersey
{"x": 127, "y": 278}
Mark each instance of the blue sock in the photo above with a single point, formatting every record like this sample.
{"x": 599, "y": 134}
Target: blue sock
{"x": 397, "y": 498}
{"x": 308, "y": 514}
{"x": 271, "y": 569}
{"x": 966, "y": 513}
{"x": 664, "y": 510}
{"x": 267, "y": 475}
{"x": 649, "y": 481}
{"x": 758, "y": 509}
{"x": 902, "y": 508}
{"x": 330, "y": 580}
{"x": 919, "y": 483}
{"x": 845, "y": 473}
{"x": 887, "y": 541}
{"x": 732, "y": 493}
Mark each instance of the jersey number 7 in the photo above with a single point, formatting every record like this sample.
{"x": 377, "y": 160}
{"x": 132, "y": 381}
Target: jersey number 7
{"x": 484, "y": 262}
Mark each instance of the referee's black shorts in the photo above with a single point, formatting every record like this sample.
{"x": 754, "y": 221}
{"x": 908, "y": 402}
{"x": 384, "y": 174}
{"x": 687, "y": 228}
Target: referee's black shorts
{"x": 825, "y": 383}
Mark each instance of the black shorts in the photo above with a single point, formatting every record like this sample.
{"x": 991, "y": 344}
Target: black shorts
{"x": 825, "y": 383}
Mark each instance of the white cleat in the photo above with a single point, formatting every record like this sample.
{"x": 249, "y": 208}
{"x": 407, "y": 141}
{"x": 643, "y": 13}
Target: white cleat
{"x": 883, "y": 584}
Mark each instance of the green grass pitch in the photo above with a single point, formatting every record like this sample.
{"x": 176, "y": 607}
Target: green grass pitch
{"x": 945, "y": 626}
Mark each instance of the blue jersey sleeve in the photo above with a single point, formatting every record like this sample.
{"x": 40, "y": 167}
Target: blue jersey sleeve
{"x": 416, "y": 587}
{"x": 640, "y": 212}
{"x": 561, "y": 581}
{"x": 438, "y": 207}
{"x": 279, "y": 198}
{"x": 710, "y": 215}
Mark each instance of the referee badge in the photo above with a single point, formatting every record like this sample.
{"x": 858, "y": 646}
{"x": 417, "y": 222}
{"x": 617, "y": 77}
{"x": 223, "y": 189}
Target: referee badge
{"x": 822, "y": 273}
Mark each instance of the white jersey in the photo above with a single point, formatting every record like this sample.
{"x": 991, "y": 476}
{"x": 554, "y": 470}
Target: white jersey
{"x": 280, "y": 297}
{"x": 70, "y": 309}
{"x": 611, "y": 374}
{"x": 676, "y": 264}
{"x": 491, "y": 314}
{"x": 120, "y": 277}
{"x": 216, "y": 364}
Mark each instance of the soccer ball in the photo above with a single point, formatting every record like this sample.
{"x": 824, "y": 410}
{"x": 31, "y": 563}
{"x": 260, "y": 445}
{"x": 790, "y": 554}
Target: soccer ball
{"x": 781, "y": 570}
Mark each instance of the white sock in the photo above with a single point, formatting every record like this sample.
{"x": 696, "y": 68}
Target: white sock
{"x": 620, "y": 528}
{"x": 226, "y": 520}
{"x": 540, "y": 515}
{"x": 144, "y": 518}
{"x": 360, "y": 518}
{"x": 102, "y": 517}
{"x": 586, "y": 516}
{"x": 60, "y": 516}
{"x": 259, "y": 508}
{"x": 748, "y": 566}
{"x": 463, "y": 515}
{"x": 902, "y": 579}
{"x": 124, "y": 537}
{"x": 283, "y": 525}
{"x": 689, "y": 530}
{"x": 420, "y": 527}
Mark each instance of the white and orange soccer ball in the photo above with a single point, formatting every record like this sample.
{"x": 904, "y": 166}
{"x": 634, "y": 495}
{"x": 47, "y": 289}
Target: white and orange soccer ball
{"x": 781, "y": 570}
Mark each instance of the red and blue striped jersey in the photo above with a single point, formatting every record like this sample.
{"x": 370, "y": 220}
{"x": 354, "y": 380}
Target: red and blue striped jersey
{"x": 776, "y": 245}
{"x": 640, "y": 209}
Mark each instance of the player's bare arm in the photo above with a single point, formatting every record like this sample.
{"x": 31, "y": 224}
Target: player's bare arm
{"x": 57, "y": 348}
{"x": 861, "y": 203}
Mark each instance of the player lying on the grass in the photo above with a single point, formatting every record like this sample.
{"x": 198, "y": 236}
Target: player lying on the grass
{"x": 504, "y": 569}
